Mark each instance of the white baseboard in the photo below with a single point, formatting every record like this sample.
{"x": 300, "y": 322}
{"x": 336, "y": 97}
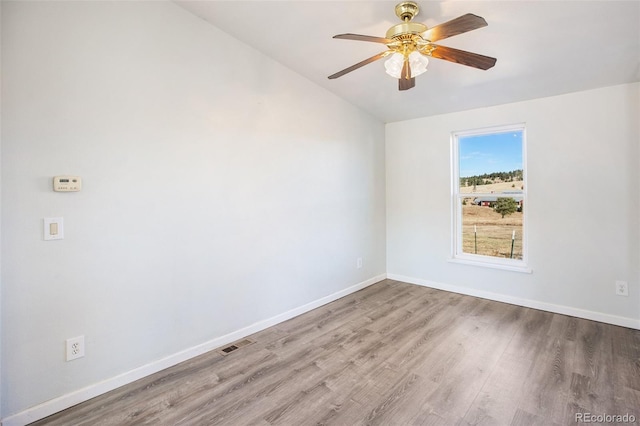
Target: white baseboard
{"x": 65, "y": 401}
{"x": 528, "y": 303}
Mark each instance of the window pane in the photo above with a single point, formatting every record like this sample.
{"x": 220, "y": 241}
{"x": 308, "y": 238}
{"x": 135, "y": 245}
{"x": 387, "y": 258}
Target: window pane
{"x": 491, "y": 159}
{"x": 491, "y": 193}
{"x": 487, "y": 233}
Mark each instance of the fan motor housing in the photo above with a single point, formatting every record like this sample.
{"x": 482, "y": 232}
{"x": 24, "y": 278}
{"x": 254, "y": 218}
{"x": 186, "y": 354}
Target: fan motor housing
{"x": 406, "y": 28}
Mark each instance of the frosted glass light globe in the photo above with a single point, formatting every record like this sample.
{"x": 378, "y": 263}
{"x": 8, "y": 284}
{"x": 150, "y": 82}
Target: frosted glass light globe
{"x": 417, "y": 62}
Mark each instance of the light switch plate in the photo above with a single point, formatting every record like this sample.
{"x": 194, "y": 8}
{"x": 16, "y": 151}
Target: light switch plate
{"x": 53, "y": 228}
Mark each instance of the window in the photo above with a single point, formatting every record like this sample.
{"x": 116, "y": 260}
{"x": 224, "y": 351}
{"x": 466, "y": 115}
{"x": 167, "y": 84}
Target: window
{"x": 489, "y": 197}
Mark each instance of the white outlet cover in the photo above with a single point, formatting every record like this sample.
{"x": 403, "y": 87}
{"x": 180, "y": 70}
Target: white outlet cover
{"x": 75, "y": 348}
{"x": 53, "y": 228}
{"x": 622, "y": 288}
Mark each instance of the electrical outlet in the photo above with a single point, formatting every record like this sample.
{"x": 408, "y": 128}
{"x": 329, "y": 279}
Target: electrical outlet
{"x": 75, "y": 348}
{"x": 359, "y": 263}
{"x": 622, "y": 288}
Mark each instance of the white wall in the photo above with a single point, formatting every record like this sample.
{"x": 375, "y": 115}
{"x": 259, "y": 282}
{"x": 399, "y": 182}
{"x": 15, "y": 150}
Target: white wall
{"x": 1, "y": 387}
{"x": 582, "y": 212}
{"x": 220, "y": 190}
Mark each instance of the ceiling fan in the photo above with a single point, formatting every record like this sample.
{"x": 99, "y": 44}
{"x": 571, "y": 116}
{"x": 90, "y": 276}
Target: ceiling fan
{"x": 410, "y": 43}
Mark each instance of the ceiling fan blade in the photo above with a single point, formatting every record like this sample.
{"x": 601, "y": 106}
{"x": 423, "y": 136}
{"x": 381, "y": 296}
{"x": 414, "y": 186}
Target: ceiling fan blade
{"x": 406, "y": 70}
{"x": 360, "y": 64}
{"x": 406, "y": 82}
{"x": 360, "y": 37}
{"x": 462, "y": 57}
{"x": 456, "y": 26}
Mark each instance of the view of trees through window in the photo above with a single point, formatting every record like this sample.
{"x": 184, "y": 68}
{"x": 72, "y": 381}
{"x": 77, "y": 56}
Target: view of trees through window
{"x": 490, "y": 193}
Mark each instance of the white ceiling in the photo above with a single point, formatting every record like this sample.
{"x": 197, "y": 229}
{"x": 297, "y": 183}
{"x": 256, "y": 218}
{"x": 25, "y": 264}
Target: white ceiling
{"x": 544, "y": 48}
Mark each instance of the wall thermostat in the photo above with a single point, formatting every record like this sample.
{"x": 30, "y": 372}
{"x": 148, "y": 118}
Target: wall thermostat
{"x": 67, "y": 183}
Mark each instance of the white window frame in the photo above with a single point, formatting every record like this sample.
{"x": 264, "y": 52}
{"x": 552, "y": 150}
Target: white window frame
{"x": 457, "y": 254}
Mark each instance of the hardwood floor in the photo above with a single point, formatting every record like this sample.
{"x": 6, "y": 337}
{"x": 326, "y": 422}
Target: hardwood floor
{"x": 393, "y": 354}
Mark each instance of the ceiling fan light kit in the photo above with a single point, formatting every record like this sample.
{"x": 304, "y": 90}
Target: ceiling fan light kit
{"x": 417, "y": 62}
{"x": 411, "y": 43}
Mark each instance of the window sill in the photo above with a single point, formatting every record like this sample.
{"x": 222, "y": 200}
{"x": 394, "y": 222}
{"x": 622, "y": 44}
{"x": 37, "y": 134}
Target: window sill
{"x": 506, "y": 267}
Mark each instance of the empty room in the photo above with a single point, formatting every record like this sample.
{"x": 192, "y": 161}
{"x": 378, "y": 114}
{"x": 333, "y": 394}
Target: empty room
{"x": 319, "y": 212}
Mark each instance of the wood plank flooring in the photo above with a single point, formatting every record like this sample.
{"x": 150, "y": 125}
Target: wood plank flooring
{"x": 393, "y": 354}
